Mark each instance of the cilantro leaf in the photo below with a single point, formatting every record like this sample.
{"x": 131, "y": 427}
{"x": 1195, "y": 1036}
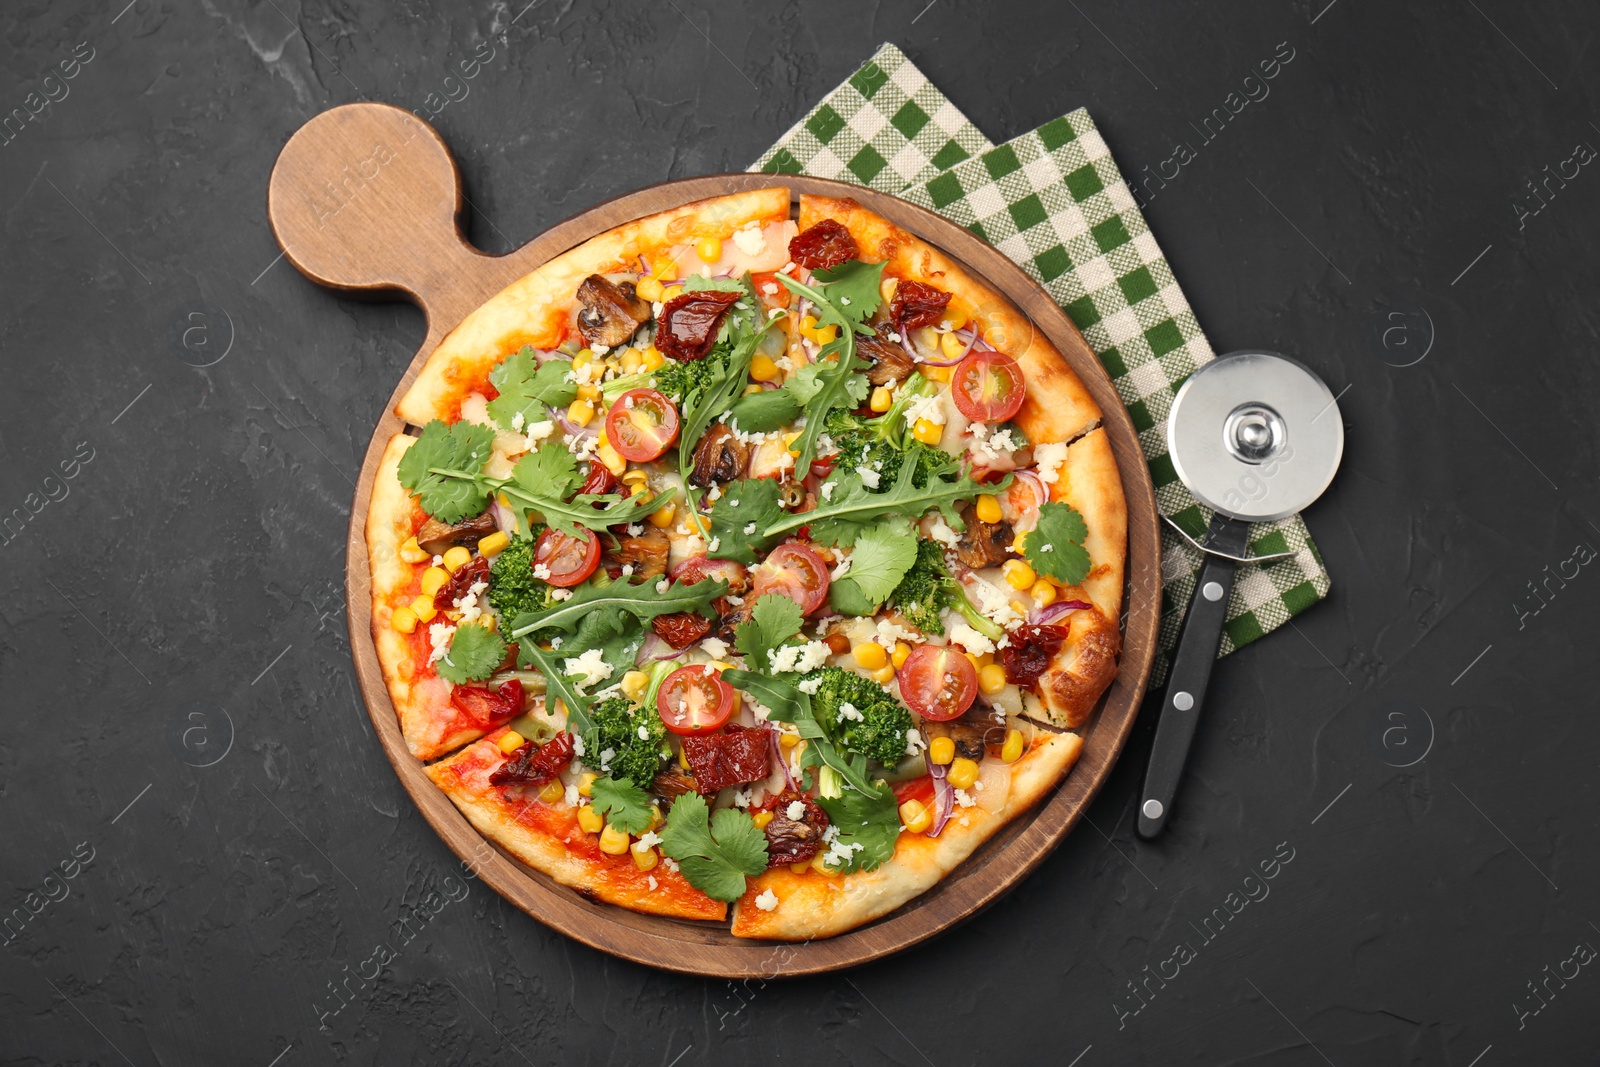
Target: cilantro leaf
{"x": 625, "y": 805}
{"x": 766, "y": 411}
{"x": 549, "y": 470}
{"x": 445, "y": 469}
{"x": 841, "y": 518}
{"x": 852, "y": 288}
{"x": 542, "y": 479}
{"x": 773, "y": 620}
{"x": 716, "y": 855}
{"x": 870, "y": 819}
{"x": 475, "y": 652}
{"x": 882, "y": 555}
{"x": 751, "y": 500}
{"x": 528, "y": 386}
{"x": 1055, "y": 546}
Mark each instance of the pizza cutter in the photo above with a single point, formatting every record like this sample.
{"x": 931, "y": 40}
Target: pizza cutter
{"x": 1255, "y": 436}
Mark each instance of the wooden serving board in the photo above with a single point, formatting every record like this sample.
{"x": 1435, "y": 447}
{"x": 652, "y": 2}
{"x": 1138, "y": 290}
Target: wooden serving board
{"x": 366, "y": 199}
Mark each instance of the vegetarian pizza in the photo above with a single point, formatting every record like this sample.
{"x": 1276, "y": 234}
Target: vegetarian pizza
{"x": 747, "y": 559}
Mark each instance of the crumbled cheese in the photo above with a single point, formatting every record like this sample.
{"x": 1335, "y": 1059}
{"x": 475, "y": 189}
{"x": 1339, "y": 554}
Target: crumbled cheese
{"x": 741, "y": 798}
{"x": 577, "y": 745}
{"x": 927, "y": 407}
{"x": 970, "y": 639}
{"x": 669, "y": 863}
{"x": 468, "y": 602}
{"x": 600, "y": 350}
{"x": 733, "y": 503}
{"x": 517, "y": 421}
{"x": 555, "y": 642}
{"x": 941, "y": 532}
{"x": 749, "y": 528}
{"x": 438, "y": 561}
{"x": 809, "y": 686}
{"x": 849, "y": 711}
{"x": 993, "y": 602}
{"x": 827, "y": 490}
{"x": 767, "y": 901}
{"x": 869, "y": 477}
{"x": 588, "y": 669}
{"x": 635, "y": 530}
{"x": 752, "y": 242}
{"x": 796, "y": 810}
{"x": 606, "y": 756}
{"x": 541, "y": 572}
{"x": 736, "y": 601}
{"x": 914, "y": 742}
{"x": 572, "y": 795}
{"x": 644, "y": 733}
{"x": 647, "y": 840}
{"x": 663, "y": 585}
{"x": 964, "y": 799}
{"x": 798, "y": 659}
{"x": 561, "y": 594}
{"x": 840, "y": 569}
{"x": 1046, "y": 548}
{"x": 651, "y": 881}
{"x": 627, "y": 570}
{"x": 716, "y": 543}
{"x": 715, "y": 647}
{"x": 1049, "y": 457}
{"x": 440, "y": 634}
{"x": 538, "y": 431}
{"x": 890, "y": 632}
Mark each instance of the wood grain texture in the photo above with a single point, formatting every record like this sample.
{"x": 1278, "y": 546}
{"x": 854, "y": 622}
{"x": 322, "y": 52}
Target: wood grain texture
{"x": 366, "y": 199}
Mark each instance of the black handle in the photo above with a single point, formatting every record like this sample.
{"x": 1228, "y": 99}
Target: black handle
{"x": 1191, "y": 671}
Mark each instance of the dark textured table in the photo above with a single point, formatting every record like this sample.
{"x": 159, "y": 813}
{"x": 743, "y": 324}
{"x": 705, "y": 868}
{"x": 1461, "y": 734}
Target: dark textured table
{"x": 1384, "y": 844}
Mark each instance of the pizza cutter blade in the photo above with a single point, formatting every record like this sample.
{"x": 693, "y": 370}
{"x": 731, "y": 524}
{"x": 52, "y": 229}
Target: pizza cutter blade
{"x": 1255, "y": 436}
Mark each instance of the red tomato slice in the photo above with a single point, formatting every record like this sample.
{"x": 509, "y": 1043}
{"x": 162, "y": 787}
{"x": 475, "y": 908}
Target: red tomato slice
{"x": 642, "y": 425}
{"x": 769, "y": 290}
{"x": 796, "y": 571}
{"x": 938, "y": 683}
{"x": 569, "y": 559}
{"x": 695, "y": 700}
{"x": 987, "y": 386}
{"x": 695, "y": 568}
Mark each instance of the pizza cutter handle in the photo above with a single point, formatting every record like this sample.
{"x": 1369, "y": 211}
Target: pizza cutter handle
{"x": 1191, "y": 671}
{"x": 366, "y": 198}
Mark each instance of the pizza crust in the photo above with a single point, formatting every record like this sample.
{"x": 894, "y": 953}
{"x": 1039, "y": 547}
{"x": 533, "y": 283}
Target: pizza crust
{"x": 537, "y": 308}
{"x": 814, "y": 905}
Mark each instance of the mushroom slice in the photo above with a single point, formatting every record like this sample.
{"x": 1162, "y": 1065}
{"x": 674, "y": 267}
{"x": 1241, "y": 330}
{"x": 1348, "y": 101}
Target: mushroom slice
{"x": 436, "y": 536}
{"x": 611, "y": 313}
{"x": 719, "y": 457}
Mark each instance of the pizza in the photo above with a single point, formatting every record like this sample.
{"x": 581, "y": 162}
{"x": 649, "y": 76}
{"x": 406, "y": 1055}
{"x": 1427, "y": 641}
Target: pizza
{"x": 747, "y": 556}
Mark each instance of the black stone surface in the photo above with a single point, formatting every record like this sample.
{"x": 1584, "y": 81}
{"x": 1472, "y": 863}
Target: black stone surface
{"x": 180, "y": 728}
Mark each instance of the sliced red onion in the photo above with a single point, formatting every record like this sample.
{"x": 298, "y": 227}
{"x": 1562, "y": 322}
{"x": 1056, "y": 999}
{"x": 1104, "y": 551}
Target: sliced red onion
{"x": 545, "y": 357}
{"x": 777, "y": 757}
{"x": 1041, "y": 493}
{"x": 579, "y": 433}
{"x": 652, "y": 650}
{"x": 944, "y": 797}
{"x": 503, "y": 516}
{"x": 1050, "y": 613}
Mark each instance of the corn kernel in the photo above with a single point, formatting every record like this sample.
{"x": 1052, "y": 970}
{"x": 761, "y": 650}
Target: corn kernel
{"x": 826, "y": 335}
{"x": 632, "y": 361}
{"x": 662, "y": 517}
{"x": 709, "y": 249}
{"x": 1018, "y": 606}
{"x": 653, "y": 359}
{"x": 510, "y": 741}
{"x": 634, "y": 683}
{"x": 952, "y": 345}
{"x": 935, "y": 374}
{"x": 901, "y": 653}
{"x": 494, "y": 544}
{"x": 656, "y": 818}
{"x": 800, "y": 868}
{"x": 1011, "y": 751}
{"x": 1018, "y": 575}
{"x": 953, "y": 319}
{"x": 788, "y": 740}
{"x": 580, "y": 412}
{"x": 422, "y": 607}
{"x": 760, "y": 819}
{"x": 821, "y": 867}
{"x": 611, "y": 458}
{"x": 987, "y": 509}
{"x": 973, "y": 659}
{"x": 1043, "y": 592}
{"x": 882, "y": 399}
{"x": 649, "y": 289}
{"x": 671, "y": 292}
{"x": 991, "y": 678}
{"x": 886, "y": 289}
{"x": 664, "y": 266}
{"x": 591, "y": 393}
{"x": 456, "y": 557}
{"x": 915, "y": 817}
{"x": 586, "y": 784}
{"x": 613, "y": 842}
{"x": 433, "y": 580}
{"x": 927, "y": 432}
{"x": 403, "y": 619}
{"x": 584, "y": 358}
{"x": 752, "y": 389}
{"x": 553, "y": 791}
{"x": 884, "y": 674}
{"x": 763, "y": 369}
{"x": 942, "y": 750}
{"x": 590, "y": 821}
{"x": 411, "y": 552}
{"x": 645, "y": 858}
{"x": 808, "y": 324}
{"x": 869, "y": 655}
{"x": 963, "y": 772}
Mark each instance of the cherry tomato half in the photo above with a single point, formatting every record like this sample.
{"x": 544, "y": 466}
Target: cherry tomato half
{"x": 796, "y": 571}
{"x": 695, "y": 700}
{"x": 642, "y": 425}
{"x": 938, "y": 682}
{"x": 569, "y": 559}
{"x": 987, "y": 386}
{"x": 691, "y": 570}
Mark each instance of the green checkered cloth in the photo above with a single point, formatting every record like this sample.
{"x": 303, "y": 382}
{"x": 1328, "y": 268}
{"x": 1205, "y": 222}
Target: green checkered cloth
{"x": 1054, "y": 202}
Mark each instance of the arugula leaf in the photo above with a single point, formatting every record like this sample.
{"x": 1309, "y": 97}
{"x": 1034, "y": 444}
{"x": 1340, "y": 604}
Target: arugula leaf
{"x": 475, "y": 652}
{"x": 558, "y": 686}
{"x": 1055, "y": 546}
{"x": 699, "y": 283}
{"x": 882, "y": 555}
{"x": 773, "y": 620}
{"x": 846, "y": 598}
{"x": 528, "y": 386}
{"x": 852, "y": 288}
{"x": 445, "y": 469}
{"x": 840, "y": 384}
{"x": 625, "y": 805}
{"x": 785, "y": 702}
{"x": 607, "y": 603}
{"x": 841, "y": 518}
{"x": 715, "y": 856}
{"x": 766, "y": 411}
{"x": 743, "y": 502}
{"x": 869, "y": 819}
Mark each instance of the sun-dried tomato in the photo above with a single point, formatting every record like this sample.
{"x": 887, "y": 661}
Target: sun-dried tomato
{"x": 793, "y": 840}
{"x": 599, "y": 480}
{"x": 489, "y": 708}
{"x": 687, "y": 326}
{"x": 916, "y": 304}
{"x": 733, "y": 757}
{"x": 672, "y": 785}
{"x": 1031, "y": 650}
{"x": 474, "y": 570}
{"x": 533, "y": 764}
{"x": 824, "y": 246}
{"x": 681, "y": 629}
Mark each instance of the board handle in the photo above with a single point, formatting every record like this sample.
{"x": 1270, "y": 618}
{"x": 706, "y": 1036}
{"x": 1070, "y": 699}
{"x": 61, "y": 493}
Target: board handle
{"x": 367, "y": 198}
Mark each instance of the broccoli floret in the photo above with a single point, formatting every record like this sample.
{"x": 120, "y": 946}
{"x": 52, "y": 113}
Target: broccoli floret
{"x": 678, "y": 379}
{"x": 879, "y": 733}
{"x": 616, "y": 728}
{"x": 885, "y": 443}
{"x": 512, "y": 587}
{"x": 928, "y": 589}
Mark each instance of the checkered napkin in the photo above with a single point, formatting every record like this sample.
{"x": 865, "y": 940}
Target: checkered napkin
{"x": 1054, "y": 202}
